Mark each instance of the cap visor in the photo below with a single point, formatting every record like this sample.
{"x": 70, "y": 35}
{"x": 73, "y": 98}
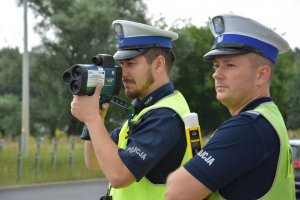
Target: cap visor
{"x": 126, "y": 54}
{"x": 225, "y": 51}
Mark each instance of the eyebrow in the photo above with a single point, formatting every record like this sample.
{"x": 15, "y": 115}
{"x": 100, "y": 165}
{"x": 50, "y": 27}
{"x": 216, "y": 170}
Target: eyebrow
{"x": 224, "y": 60}
{"x": 129, "y": 59}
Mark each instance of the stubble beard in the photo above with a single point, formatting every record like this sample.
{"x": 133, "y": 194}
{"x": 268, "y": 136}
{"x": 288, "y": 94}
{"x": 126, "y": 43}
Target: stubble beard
{"x": 140, "y": 93}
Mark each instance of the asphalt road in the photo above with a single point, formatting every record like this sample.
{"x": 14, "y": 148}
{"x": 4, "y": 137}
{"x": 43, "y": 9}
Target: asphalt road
{"x": 73, "y": 190}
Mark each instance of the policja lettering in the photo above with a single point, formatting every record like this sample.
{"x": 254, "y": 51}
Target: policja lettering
{"x": 204, "y": 155}
{"x": 137, "y": 151}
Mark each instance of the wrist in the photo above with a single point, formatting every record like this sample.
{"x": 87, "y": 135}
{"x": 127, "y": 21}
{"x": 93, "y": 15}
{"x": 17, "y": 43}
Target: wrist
{"x": 94, "y": 120}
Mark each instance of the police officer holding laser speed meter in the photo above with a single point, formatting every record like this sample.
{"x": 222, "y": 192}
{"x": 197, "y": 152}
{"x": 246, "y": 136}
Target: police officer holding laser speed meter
{"x": 248, "y": 156}
{"x": 137, "y": 157}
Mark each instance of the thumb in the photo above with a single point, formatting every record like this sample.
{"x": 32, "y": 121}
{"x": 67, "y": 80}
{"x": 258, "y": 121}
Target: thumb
{"x": 104, "y": 109}
{"x": 105, "y": 106}
{"x": 98, "y": 89}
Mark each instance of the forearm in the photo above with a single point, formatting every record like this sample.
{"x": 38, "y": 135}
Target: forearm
{"x": 90, "y": 157}
{"x": 86, "y": 109}
{"x": 181, "y": 185}
{"x": 106, "y": 152}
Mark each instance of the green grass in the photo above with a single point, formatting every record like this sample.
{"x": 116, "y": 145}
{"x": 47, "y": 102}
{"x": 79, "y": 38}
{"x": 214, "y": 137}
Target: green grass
{"x": 61, "y": 172}
{"x": 294, "y": 134}
{"x": 46, "y": 173}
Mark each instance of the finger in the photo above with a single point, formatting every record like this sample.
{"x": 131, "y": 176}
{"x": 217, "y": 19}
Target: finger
{"x": 104, "y": 106}
{"x": 98, "y": 89}
{"x": 72, "y": 108}
{"x": 104, "y": 109}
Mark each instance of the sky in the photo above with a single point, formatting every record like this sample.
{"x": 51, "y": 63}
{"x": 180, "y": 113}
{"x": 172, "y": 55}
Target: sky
{"x": 283, "y": 15}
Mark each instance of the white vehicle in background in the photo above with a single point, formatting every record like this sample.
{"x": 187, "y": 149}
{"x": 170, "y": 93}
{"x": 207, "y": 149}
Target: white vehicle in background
{"x": 295, "y": 144}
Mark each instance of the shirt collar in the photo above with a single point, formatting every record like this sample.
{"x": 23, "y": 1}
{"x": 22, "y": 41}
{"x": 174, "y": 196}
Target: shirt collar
{"x": 153, "y": 97}
{"x": 255, "y": 103}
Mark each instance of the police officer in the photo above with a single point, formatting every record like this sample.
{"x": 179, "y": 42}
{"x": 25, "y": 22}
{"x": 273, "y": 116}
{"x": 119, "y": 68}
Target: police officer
{"x": 137, "y": 157}
{"x": 248, "y": 156}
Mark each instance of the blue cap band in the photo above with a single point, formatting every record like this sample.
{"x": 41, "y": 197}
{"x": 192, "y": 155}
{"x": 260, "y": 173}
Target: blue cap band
{"x": 145, "y": 41}
{"x": 268, "y": 50}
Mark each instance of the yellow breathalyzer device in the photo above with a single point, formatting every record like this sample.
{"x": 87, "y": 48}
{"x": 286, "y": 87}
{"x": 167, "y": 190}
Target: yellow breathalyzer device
{"x": 193, "y": 134}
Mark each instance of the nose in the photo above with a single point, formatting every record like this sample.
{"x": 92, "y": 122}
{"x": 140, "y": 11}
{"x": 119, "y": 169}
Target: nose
{"x": 218, "y": 74}
{"x": 124, "y": 71}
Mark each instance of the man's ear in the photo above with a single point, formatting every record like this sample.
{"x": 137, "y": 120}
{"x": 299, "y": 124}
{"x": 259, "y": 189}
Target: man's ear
{"x": 160, "y": 64}
{"x": 264, "y": 73}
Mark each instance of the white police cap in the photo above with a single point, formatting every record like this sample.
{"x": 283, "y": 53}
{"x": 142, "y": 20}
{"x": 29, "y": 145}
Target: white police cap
{"x": 236, "y": 34}
{"x": 135, "y": 38}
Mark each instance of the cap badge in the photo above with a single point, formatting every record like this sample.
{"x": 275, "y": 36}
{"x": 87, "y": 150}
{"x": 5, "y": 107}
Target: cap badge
{"x": 119, "y": 30}
{"x": 219, "y": 25}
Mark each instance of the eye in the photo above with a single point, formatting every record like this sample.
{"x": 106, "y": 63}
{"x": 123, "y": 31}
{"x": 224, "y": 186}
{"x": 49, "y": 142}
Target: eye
{"x": 120, "y": 63}
{"x": 215, "y": 66}
{"x": 230, "y": 65}
{"x": 131, "y": 63}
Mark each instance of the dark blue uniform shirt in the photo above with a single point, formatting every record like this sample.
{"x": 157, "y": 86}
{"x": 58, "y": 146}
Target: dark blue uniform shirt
{"x": 157, "y": 144}
{"x": 240, "y": 159}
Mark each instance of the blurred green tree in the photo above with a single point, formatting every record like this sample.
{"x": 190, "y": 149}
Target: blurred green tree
{"x": 293, "y": 107}
{"x": 284, "y": 73}
{"x": 10, "y": 71}
{"x": 10, "y": 91}
{"x": 71, "y": 32}
{"x": 74, "y": 31}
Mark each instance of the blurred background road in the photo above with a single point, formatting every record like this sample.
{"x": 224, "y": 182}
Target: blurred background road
{"x": 71, "y": 190}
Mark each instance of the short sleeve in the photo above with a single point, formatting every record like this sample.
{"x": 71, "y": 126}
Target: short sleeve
{"x": 154, "y": 137}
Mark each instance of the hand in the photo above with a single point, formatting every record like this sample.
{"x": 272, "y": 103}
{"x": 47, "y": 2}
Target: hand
{"x": 86, "y": 108}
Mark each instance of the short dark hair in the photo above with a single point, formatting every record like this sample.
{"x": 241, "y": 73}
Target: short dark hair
{"x": 258, "y": 60}
{"x": 167, "y": 53}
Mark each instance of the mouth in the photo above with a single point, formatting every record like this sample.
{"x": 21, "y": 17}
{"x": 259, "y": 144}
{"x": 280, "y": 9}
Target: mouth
{"x": 220, "y": 87}
{"x": 127, "y": 82}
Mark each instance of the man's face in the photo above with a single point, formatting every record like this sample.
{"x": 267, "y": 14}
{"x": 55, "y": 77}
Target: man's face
{"x": 137, "y": 77}
{"x": 235, "y": 80}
